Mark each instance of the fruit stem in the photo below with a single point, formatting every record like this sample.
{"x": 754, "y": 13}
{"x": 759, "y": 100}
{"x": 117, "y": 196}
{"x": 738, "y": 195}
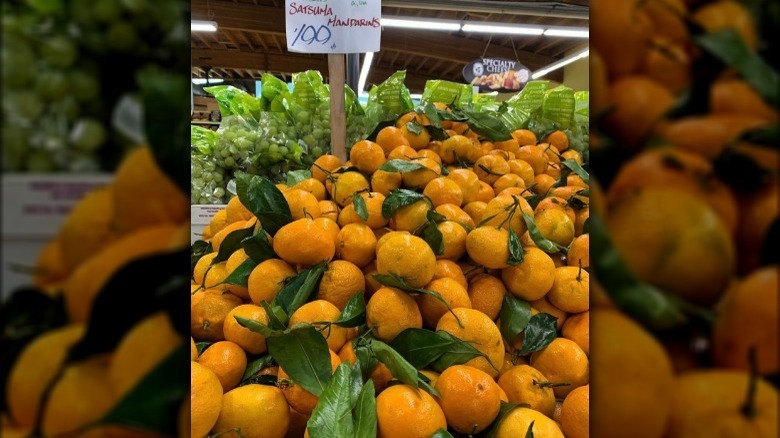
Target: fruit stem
{"x": 748, "y": 408}
{"x": 551, "y": 384}
{"x": 579, "y": 272}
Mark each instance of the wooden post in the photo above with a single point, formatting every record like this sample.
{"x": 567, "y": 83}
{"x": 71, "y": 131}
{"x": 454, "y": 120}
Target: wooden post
{"x": 338, "y": 114}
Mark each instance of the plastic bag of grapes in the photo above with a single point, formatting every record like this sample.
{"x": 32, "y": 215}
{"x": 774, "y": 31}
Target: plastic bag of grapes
{"x": 274, "y": 93}
{"x": 233, "y": 101}
{"x": 390, "y": 99}
{"x": 237, "y": 140}
{"x": 309, "y": 108}
{"x": 359, "y": 126}
{"x": 208, "y": 180}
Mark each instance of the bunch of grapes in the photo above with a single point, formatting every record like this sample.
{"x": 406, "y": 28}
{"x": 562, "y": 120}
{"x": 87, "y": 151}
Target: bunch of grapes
{"x": 55, "y": 55}
{"x": 208, "y": 180}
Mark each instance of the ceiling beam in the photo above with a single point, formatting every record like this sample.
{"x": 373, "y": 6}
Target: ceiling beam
{"x": 438, "y": 45}
{"x": 288, "y": 63}
{"x": 538, "y": 9}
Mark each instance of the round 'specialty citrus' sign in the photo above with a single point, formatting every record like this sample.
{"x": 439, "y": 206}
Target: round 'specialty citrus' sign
{"x": 496, "y": 74}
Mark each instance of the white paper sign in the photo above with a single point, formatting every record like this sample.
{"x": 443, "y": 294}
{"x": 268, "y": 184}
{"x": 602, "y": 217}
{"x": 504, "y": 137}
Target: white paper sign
{"x": 333, "y": 26}
{"x": 35, "y": 205}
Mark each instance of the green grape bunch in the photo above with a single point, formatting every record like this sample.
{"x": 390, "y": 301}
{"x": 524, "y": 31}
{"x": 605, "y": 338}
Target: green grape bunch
{"x": 56, "y": 54}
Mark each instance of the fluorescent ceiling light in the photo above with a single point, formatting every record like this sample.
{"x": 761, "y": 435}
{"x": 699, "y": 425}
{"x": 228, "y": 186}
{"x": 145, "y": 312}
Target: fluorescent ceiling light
{"x": 558, "y": 64}
{"x": 564, "y": 32}
{"x": 415, "y": 96}
{"x": 413, "y": 23}
{"x": 508, "y": 29}
{"x": 364, "y": 71}
{"x": 203, "y": 26}
{"x": 202, "y": 81}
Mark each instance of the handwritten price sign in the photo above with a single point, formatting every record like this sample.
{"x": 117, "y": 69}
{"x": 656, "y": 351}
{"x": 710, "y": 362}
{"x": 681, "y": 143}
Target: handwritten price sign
{"x": 333, "y": 26}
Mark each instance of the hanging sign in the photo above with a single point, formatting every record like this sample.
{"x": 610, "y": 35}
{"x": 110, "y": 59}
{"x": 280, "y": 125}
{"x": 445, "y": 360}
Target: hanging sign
{"x": 333, "y": 26}
{"x": 496, "y": 74}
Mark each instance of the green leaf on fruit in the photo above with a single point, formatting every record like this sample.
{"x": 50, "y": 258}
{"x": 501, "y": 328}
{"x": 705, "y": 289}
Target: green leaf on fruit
{"x": 545, "y": 245}
{"x": 202, "y": 346}
{"x": 231, "y": 244}
{"x": 240, "y": 275}
{"x": 257, "y": 327}
{"x": 399, "y": 165}
{"x": 199, "y": 249}
{"x": 261, "y": 196}
{"x": 539, "y": 333}
{"x": 354, "y": 313}
{"x": 414, "y": 127}
{"x": 296, "y": 176}
{"x": 457, "y": 353}
{"x": 304, "y": 355}
{"x": 399, "y": 367}
{"x": 153, "y": 403}
{"x": 729, "y": 47}
{"x": 277, "y": 318}
{"x": 530, "y": 432}
{"x": 332, "y": 416}
{"x": 360, "y": 206}
{"x": 393, "y": 280}
{"x": 577, "y": 169}
{"x": 503, "y": 411}
{"x": 255, "y": 365}
{"x": 433, "y": 237}
{"x": 297, "y": 291}
{"x": 365, "y": 411}
{"x": 515, "y": 249}
{"x": 514, "y": 315}
{"x": 257, "y": 247}
{"x": 644, "y": 302}
{"x": 397, "y": 199}
{"x": 442, "y": 433}
{"x": 423, "y": 347}
{"x": 487, "y": 125}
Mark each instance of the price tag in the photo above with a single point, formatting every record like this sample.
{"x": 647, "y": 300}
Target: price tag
{"x": 35, "y": 205}
{"x": 333, "y": 26}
